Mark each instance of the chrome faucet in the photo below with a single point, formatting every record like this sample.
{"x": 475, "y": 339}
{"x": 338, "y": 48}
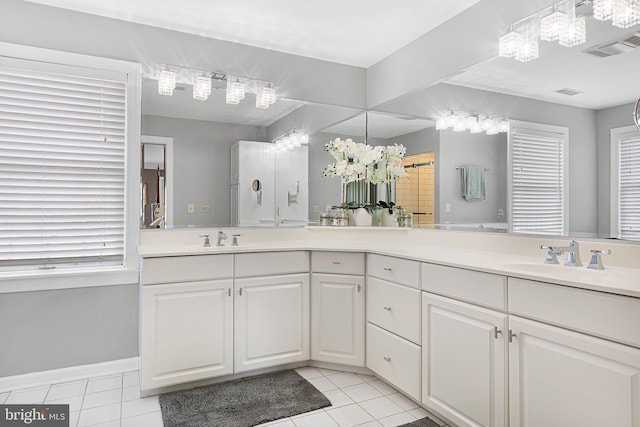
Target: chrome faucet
{"x": 207, "y": 242}
{"x": 235, "y": 239}
{"x": 221, "y": 238}
{"x": 573, "y": 254}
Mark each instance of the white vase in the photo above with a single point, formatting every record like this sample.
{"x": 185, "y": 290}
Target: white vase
{"x": 388, "y": 219}
{"x": 361, "y": 217}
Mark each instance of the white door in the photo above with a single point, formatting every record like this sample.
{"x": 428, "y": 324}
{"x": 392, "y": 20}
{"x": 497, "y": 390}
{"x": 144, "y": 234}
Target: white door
{"x": 187, "y": 332}
{"x": 562, "y": 378}
{"x": 271, "y": 321}
{"x": 464, "y": 362}
{"x": 337, "y": 319}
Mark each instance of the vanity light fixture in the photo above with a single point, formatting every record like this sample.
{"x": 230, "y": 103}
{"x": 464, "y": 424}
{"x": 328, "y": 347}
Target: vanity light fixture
{"x": 290, "y": 140}
{"x": 556, "y": 23}
{"x": 235, "y": 90}
{"x": 202, "y": 87}
{"x": 265, "y": 95}
{"x": 461, "y": 121}
{"x": 166, "y": 82}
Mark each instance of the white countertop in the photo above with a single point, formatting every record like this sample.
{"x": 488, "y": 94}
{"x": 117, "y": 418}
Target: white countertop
{"x": 614, "y": 279}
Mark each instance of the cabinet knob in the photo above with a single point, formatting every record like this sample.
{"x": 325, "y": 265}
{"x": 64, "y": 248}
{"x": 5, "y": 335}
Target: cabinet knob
{"x": 387, "y": 269}
{"x": 387, "y": 308}
{"x": 512, "y": 335}
{"x": 496, "y": 331}
{"x": 335, "y": 262}
{"x": 388, "y": 359}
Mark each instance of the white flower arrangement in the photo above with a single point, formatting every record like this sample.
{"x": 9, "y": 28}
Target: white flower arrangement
{"x": 391, "y": 167}
{"x": 353, "y": 161}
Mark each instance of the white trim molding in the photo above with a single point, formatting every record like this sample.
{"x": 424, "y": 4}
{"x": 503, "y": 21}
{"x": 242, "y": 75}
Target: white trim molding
{"x": 72, "y": 373}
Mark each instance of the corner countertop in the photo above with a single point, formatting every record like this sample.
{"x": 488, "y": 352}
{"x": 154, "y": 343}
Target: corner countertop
{"x": 616, "y": 280}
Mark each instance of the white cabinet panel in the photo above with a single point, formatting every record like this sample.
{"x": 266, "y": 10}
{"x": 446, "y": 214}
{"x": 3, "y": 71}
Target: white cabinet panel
{"x": 271, "y": 321}
{"x": 187, "y": 332}
{"x": 186, "y": 268}
{"x": 337, "y": 319}
{"x": 338, "y": 262}
{"x": 484, "y": 289}
{"x": 395, "y": 308}
{"x": 271, "y": 263}
{"x": 562, "y": 378}
{"x": 394, "y": 359}
{"x": 393, "y": 269}
{"x": 609, "y": 316}
{"x": 464, "y": 361}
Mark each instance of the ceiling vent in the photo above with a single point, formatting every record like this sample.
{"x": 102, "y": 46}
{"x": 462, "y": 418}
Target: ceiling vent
{"x": 615, "y": 48}
{"x": 569, "y": 91}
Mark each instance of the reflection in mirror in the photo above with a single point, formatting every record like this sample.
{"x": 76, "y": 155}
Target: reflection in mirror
{"x": 592, "y": 95}
{"x": 156, "y": 174}
{"x": 435, "y": 161}
{"x": 204, "y": 133}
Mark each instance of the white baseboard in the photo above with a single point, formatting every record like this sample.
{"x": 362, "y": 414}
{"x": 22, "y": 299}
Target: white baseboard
{"x": 35, "y": 379}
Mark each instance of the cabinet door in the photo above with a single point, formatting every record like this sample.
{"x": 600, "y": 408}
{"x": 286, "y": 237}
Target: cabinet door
{"x": 464, "y": 362}
{"x": 271, "y": 321}
{"x": 563, "y": 378}
{"x": 187, "y": 332}
{"x": 337, "y": 319}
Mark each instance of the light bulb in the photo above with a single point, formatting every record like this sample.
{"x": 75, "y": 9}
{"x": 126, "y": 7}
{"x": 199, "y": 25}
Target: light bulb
{"x": 441, "y": 123}
{"x": 202, "y": 88}
{"x": 231, "y": 94}
{"x": 575, "y": 33}
{"x": 469, "y": 121}
{"x": 553, "y": 25}
{"x": 528, "y": 51}
{"x": 475, "y": 128}
{"x": 304, "y": 138}
{"x": 603, "y": 9}
{"x": 503, "y": 126}
{"x": 626, "y": 13}
{"x": 167, "y": 82}
{"x": 509, "y": 44}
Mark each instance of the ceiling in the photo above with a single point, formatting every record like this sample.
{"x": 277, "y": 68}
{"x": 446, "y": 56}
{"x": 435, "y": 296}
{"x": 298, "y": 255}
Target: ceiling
{"x": 353, "y": 32}
{"x": 380, "y": 125}
{"x": 603, "y": 82}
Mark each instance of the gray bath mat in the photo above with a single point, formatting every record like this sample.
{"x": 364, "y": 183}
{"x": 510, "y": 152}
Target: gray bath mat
{"x": 422, "y": 422}
{"x": 242, "y": 403}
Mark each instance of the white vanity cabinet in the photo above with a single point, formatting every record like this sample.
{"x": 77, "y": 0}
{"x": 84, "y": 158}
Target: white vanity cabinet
{"x": 337, "y": 307}
{"x": 464, "y": 346}
{"x": 563, "y": 377}
{"x": 186, "y": 319}
{"x": 393, "y": 349}
{"x": 271, "y": 309}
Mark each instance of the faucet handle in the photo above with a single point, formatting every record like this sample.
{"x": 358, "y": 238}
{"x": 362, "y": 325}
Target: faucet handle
{"x": 552, "y": 254}
{"x": 235, "y": 239}
{"x": 207, "y": 242}
{"x": 596, "y": 259}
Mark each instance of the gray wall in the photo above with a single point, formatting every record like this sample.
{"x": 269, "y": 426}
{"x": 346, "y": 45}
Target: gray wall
{"x": 294, "y": 76}
{"x": 67, "y": 327}
{"x": 202, "y": 153}
{"x": 583, "y": 153}
{"x": 608, "y": 119}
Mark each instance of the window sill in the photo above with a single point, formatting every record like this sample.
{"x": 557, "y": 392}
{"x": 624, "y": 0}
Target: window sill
{"x": 66, "y": 279}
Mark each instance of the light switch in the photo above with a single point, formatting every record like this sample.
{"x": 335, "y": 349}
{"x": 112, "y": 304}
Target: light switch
{"x": 206, "y": 208}
{"x": 191, "y": 208}
{"x": 447, "y": 207}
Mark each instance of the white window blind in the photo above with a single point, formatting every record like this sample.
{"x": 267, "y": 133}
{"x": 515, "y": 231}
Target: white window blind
{"x": 538, "y": 181}
{"x": 62, "y": 169}
{"x": 629, "y": 187}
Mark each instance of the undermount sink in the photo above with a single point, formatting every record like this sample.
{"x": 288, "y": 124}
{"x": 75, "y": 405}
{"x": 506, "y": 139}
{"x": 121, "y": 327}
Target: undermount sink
{"x": 539, "y": 268}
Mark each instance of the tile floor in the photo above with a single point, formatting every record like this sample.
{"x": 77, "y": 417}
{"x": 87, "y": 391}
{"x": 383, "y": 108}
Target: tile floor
{"x": 114, "y": 401}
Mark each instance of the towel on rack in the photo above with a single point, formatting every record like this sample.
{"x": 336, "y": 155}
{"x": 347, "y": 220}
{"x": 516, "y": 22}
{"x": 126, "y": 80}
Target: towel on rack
{"x": 473, "y": 188}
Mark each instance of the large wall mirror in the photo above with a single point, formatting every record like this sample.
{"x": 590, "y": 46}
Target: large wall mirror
{"x": 589, "y": 90}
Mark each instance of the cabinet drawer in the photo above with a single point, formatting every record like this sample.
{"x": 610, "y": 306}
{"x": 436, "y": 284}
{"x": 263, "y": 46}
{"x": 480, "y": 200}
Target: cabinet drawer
{"x": 338, "y": 262}
{"x": 394, "y": 359}
{"x": 395, "y": 270}
{"x": 186, "y": 268}
{"x": 609, "y": 316}
{"x": 271, "y": 263}
{"x": 472, "y": 286}
{"x": 395, "y": 308}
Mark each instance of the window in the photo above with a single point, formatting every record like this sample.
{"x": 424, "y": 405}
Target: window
{"x": 625, "y": 183}
{"x": 62, "y": 165}
{"x": 538, "y": 179}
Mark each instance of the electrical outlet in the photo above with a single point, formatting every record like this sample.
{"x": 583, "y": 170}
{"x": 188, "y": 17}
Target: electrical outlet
{"x": 316, "y": 209}
{"x": 191, "y": 208}
{"x": 206, "y": 208}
